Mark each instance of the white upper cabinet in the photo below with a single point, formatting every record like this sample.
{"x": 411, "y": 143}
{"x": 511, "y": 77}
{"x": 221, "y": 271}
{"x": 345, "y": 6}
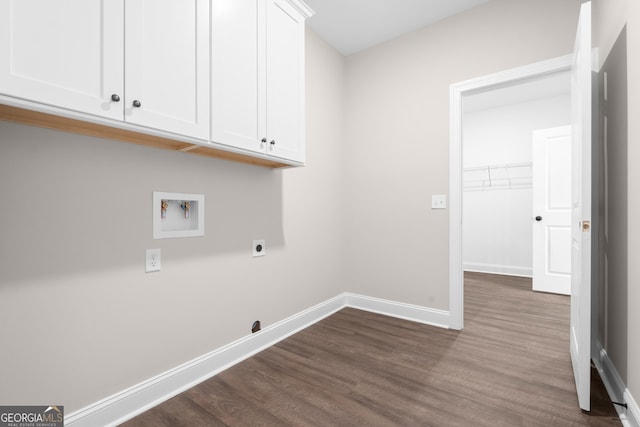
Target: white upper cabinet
{"x": 236, "y": 94}
{"x": 167, "y": 65}
{"x": 285, "y": 81}
{"x": 257, "y": 76}
{"x": 206, "y": 76}
{"x": 74, "y": 54}
{"x": 63, "y": 53}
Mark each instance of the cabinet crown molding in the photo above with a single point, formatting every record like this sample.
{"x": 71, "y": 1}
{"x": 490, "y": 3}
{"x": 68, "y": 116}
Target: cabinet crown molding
{"x": 302, "y": 7}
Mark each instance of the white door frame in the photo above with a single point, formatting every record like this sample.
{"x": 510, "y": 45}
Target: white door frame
{"x": 456, "y": 92}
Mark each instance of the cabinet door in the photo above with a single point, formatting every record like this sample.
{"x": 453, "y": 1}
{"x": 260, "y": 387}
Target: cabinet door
{"x": 65, "y": 53}
{"x": 237, "y": 74}
{"x": 167, "y": 65}
{"x": 285, "y": 81}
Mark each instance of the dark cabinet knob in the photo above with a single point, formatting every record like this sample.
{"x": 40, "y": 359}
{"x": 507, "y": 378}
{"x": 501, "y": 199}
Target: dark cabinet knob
{"x": 263, "y": 140}
{"x": 137, "y": 103}
{"x": 273, "y": 142}
{"x": 115, "y": 97}
{"x": 538, "y": 218}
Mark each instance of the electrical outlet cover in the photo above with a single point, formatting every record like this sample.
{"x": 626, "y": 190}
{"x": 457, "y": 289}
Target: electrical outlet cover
{"x": 259, "y": 248}
{"x": 153, "y": 260}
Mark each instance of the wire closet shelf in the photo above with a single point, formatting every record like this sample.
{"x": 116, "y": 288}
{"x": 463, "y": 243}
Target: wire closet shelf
{"x": 498, "y": 177}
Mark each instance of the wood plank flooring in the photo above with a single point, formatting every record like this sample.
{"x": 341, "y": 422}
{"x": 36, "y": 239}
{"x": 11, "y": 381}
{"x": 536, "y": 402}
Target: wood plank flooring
{"x": 510, "y": 366}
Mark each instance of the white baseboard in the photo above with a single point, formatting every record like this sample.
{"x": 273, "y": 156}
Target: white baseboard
{"x": 618, "y": 391}
{"x": 127, "y": 404}
{"x": 510, "y": 270}
{"x": 633, "y": 410}
{"x": 400, "y": 310}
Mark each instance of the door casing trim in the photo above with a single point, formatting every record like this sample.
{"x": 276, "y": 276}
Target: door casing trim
{"x": 456, "y": 93}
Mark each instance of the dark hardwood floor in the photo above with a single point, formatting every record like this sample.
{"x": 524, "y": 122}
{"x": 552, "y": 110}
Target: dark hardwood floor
{"x": 510, "y": 366}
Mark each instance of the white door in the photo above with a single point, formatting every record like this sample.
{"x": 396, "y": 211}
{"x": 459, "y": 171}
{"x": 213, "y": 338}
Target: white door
{"x": 552, "y": 210}
{"x": 237, "y": 76}
{"x": 167, "y": 65}
{"x": 67, "y": 53}
{"x": 285, "y": 81}
{"x": 580, "y": 328}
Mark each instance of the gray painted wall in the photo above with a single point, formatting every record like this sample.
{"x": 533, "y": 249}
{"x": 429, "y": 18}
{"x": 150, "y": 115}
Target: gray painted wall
{"x": 617, "y": 36}
{"x": 397, "y": 137}
{"x": 633, "y": 323}
{"x": 614, "y": 206}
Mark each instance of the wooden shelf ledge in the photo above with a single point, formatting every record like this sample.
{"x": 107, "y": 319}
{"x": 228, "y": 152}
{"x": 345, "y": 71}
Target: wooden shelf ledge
{"x": 51, "y": 121}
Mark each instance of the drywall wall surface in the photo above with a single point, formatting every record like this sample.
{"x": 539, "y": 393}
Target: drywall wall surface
{"x": 608, "y": 18}
{"x": 397, "y": 137}
{"x": 633, "y": 71}
{"x": 612, "y": 18}
{"x": 614, "y": 127}
{"x": 497, "y": 215}
{"x": 80, "y": 319}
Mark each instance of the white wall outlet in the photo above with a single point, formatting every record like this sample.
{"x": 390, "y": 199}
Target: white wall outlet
{"x": 259, "y": 248}
{"x": 153, "y": 260}
{"x": 438, "y": 201}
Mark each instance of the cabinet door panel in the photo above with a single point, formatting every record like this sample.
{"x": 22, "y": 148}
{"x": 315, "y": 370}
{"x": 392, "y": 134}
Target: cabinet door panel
{"x": 237, "y": 105}
{"x": 167, "y": 65}
{"x": 285, "y": 80}
{"x": 63, "y": 53}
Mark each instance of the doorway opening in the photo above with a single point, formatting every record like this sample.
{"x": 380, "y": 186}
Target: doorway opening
{"x": 516, "y": 207}
{"x": 481, "y": 91}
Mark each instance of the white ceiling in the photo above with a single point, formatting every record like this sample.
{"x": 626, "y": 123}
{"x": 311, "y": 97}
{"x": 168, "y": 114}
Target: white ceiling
{"x": 354, "y": 25}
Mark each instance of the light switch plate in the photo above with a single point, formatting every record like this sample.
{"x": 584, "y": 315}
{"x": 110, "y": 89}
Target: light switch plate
{"x": 438, "y": 201}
